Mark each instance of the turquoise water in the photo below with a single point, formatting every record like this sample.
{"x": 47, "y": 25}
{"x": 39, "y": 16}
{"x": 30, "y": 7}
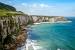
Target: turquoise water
{"x": 54, "y": 36}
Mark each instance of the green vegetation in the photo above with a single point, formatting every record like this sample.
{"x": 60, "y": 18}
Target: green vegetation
{"x": 6, "y": 10}
{"x": 8, "y": 13}
{"x": 6, "y": 7}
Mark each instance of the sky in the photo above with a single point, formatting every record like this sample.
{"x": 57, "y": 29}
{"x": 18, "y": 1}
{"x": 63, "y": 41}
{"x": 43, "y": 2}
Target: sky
{"x": 44, "y": 7}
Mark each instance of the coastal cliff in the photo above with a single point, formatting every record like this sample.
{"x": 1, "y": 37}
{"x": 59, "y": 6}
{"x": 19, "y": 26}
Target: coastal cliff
{"x": 38, "y": 19}
{"x": 12, "y": 27}
{"x": 12, "y": 30}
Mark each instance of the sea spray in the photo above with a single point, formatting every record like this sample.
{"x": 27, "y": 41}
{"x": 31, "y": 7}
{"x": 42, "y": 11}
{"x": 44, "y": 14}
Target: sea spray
{"x": 31, "y": 44}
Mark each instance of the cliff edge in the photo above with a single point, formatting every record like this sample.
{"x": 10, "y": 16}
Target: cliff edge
{"x": 12, "y": 27}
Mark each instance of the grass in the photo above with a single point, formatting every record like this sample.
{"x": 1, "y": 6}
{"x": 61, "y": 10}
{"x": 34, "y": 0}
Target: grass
{"x": 9, "y": 13}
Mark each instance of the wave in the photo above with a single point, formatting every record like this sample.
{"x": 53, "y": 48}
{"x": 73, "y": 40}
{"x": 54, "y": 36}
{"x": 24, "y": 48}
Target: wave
{"x": 53, "y": 22}
{"x": 32, "y": 45}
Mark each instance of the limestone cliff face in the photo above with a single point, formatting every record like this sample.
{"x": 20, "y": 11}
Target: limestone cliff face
{"x": 38, "y": 19}
{"x": 11, "y": 30}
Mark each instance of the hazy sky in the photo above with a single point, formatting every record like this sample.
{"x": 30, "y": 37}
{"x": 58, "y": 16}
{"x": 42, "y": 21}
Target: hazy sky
{"x": 44, "y": 7}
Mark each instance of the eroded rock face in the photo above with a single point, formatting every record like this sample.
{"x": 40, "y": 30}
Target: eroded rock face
{"x": 38, "y": 19}
{"x": 11, "y": 30}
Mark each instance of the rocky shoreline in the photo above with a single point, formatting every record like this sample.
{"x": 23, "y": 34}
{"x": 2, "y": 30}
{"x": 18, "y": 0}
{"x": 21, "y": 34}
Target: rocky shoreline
{"x": 19, "y": 42}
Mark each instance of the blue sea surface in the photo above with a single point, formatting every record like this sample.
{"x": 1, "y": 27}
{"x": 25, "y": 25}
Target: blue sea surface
{"x": 54, "y": 36}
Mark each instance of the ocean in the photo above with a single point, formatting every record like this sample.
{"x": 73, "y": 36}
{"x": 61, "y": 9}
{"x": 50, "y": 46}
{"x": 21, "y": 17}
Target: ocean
{"x": 52, "y": 36}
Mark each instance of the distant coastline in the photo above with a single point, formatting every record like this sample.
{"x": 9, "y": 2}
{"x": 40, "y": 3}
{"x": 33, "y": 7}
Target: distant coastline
{"x": 50, "y": 19}
{"x": 54, "y": 22}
